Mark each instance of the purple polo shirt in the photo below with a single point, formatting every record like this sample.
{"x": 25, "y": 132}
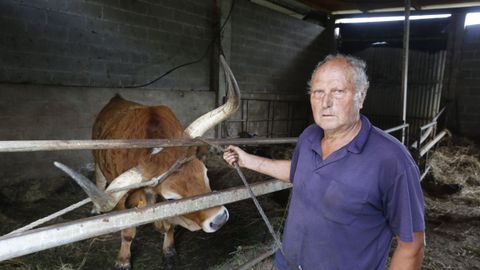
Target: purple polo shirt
{"x": 345, "y": 210}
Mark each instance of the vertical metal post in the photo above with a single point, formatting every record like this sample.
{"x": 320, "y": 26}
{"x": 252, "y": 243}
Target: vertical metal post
{"x": 273, "y": 120}
{"x": 221, "y": 44}
{"x": 246, "y": 115}
{"x": 215, "y": 59}
{"x": 269, "y": 106}
{"x": 406, "y": 48}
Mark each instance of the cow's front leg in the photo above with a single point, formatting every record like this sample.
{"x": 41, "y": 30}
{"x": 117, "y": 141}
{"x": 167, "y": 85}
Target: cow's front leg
{"x": 168, "y": 243}
{"x": 124, "y": 254}
{"x": 139, "y": 200}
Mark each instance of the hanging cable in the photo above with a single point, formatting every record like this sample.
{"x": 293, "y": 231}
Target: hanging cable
{"x": 217, "y": 37}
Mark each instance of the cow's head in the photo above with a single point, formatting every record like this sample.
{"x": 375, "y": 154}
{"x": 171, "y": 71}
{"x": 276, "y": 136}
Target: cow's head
{"x": 192, "y": 178}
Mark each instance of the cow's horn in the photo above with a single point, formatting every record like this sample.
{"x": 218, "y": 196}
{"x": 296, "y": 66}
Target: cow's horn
{"x": 205, "y": 122}
{"x": 104, "y": 201}
{"x": 99, "y": 198}
{"x": 130, "y": 177}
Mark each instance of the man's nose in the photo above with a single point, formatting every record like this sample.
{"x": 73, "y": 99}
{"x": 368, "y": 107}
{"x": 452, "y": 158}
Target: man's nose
{"x": 327, "y": 101}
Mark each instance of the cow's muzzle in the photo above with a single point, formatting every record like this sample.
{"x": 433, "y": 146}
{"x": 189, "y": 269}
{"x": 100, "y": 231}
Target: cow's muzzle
{"x": 215, "y": 222}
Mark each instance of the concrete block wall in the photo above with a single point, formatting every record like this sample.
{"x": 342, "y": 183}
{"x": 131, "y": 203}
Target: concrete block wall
{"x": 67, "y": 113}
{"x": 272, "y": 56}
{"x": 468, "y": 84}
{"x": 97, "y": 46}
{"x": 272, "y": 52}
{"x": 105, "y": 43}
{"x": 61, "y": 61}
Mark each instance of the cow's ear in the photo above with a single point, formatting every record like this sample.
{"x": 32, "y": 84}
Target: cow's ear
{"x": 202, "y": 152}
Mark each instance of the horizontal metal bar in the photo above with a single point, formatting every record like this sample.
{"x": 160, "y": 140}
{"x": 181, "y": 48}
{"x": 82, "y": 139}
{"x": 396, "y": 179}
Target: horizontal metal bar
{"x": 425, "y": 173}
{"x": 399, "y": 39}
{"x": 20, "y": 244}
{"x": 390, "y": 130}
{"x": 265, "y": 120}
{"x": 439, "y": 113}
{"x": 431, "y": 124}
{"x": 432, "y": 143}
{"x": 55, "y": 145}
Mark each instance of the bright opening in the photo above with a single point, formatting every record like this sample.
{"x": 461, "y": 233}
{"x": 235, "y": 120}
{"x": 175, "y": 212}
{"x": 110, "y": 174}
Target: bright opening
{"x": 336, "y": 32}
{"x": 472, "y": 18}
{"x": 391, "y": 18}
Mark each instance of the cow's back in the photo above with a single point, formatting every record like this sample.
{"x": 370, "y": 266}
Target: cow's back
{"x": 123, "y": 119}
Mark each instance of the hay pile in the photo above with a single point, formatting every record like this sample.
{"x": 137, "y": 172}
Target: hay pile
{"x": 458, "y": 162}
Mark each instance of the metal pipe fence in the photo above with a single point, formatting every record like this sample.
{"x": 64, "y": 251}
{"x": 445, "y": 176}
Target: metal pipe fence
{"x": 24, "y": 243}
{"x": 31, "y": 241}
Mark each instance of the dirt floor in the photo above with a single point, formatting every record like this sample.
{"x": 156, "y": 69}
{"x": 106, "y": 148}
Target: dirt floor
{"x": 453, "y": 231}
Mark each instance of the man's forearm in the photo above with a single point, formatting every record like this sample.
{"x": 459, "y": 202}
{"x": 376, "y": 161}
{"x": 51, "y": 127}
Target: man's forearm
{"x": 279, "y": 169}
{"x": 409, "y": 255}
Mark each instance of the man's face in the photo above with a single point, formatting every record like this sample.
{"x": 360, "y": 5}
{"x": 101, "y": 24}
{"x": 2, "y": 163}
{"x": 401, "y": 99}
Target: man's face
{"x": 333, "y": 97}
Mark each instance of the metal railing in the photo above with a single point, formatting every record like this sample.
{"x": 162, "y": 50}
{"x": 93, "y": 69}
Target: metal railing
{"x": 23, "y": 243}
{"x": 422, "y": 149}
{"x": 31, "y": 241}
{"x": 269, "y": 121}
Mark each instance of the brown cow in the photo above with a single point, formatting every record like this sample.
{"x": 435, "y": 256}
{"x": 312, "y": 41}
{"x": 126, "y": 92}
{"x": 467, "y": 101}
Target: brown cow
{"x": 123, "y": 119}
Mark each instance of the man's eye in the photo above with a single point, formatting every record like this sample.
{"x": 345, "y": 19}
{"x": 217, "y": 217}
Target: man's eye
{"x": 317, "y": 93}
{"x": 339, "y": 92}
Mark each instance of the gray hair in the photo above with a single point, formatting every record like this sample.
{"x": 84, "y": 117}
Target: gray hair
{"x": 358, "y": 69}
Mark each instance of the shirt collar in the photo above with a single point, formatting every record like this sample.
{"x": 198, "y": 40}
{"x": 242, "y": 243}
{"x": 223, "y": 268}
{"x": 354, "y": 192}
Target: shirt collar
{"x": 355, "y": 146}
{"x": 358, "y": 143}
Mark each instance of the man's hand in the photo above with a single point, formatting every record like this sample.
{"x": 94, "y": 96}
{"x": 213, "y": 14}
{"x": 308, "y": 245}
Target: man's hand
{"x": 234, "y": 154}
{"x": 409, "y": 255}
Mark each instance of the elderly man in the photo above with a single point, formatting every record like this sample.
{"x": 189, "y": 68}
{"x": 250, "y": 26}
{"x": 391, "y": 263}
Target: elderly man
{"x": 355, "y": 188}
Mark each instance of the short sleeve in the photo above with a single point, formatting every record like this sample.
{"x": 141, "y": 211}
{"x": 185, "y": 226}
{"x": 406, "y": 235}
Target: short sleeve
{"x": 404, "y": 205}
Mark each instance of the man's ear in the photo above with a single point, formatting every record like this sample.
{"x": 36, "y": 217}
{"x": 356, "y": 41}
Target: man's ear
{"x": 362, "y": 98}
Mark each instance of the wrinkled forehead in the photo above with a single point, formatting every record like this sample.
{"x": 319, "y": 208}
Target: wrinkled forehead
{"x": 190, "y": 180}
{"x": 337, "y": 72}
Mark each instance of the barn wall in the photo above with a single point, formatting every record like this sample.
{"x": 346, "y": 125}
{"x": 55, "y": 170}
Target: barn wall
{"x": 61, "y": 61}
{"x": 54, "y": 113}
{"x": 92, "y": 48}
{"x": 273, "y": 55}
{"x": 272, "y": 52}
{"x": 425, "y": 82}
{"x": 105, "y": 43}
